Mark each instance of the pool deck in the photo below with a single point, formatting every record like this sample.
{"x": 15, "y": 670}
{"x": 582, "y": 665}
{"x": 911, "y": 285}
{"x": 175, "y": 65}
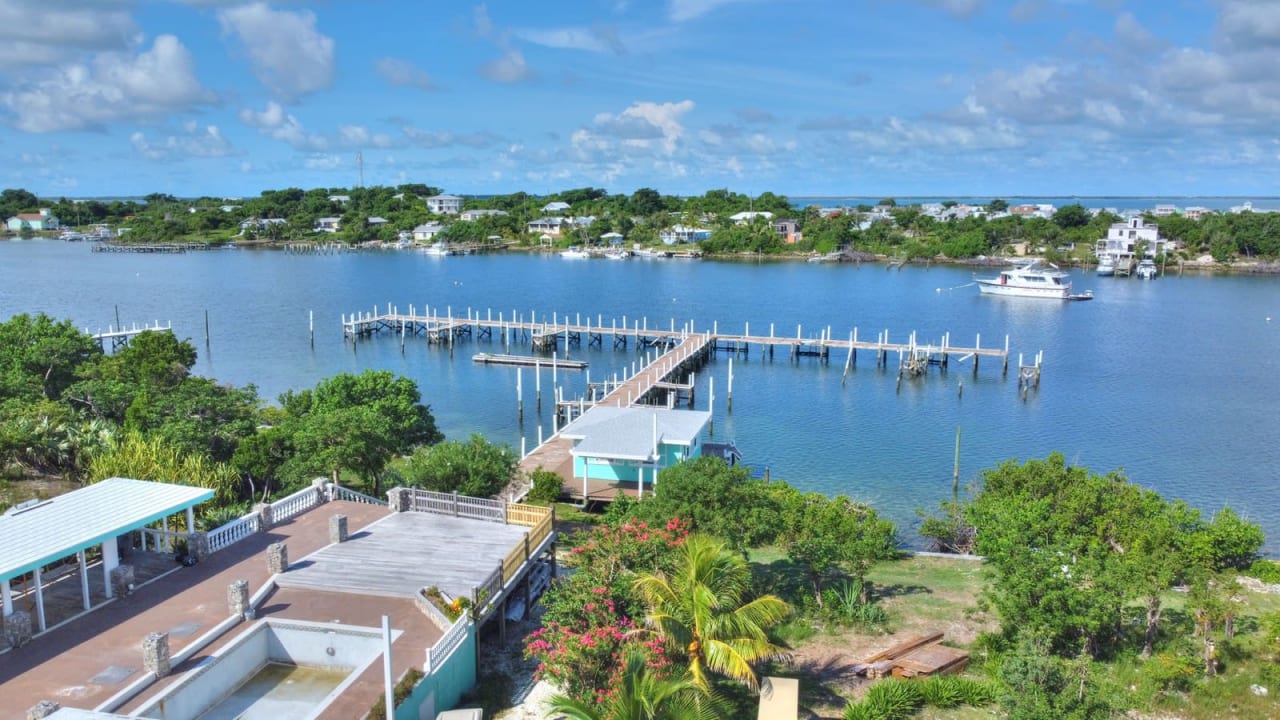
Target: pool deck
{"x": 88, "y": 660}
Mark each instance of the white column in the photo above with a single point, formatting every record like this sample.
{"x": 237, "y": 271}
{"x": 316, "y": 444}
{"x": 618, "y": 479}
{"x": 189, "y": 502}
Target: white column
{"x": 84, "y": 578}
{"x": 164, "y": 525}
{"x": 39, "y": 602}
{"x": 6, "y": 597}
{"x": 110, "y": 560}
{"x": 191, "y": 520}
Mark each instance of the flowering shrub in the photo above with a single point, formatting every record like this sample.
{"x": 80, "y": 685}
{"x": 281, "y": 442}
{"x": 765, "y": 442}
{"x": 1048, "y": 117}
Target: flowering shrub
{"x": 452, "y": 609}
{"x": 585, "y": 659}
{"x": 628, "y": 546}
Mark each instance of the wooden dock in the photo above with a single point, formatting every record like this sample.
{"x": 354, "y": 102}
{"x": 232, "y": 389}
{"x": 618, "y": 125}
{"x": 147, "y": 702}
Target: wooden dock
{"x": 671, "y": 355}
{"x": 532, "y": 361}
{"x": 121, "y": 337}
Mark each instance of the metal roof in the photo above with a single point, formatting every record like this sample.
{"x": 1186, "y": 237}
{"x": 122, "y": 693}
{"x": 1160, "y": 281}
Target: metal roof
{"x": 36, "y": 536}
{"x": 626, "y": 433}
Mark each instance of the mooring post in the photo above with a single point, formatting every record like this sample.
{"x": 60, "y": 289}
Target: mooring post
{"x": 977, "y": 345}
{"x": 729, "y": 403}
{"x": 519, "y": 394}
{"x": 537, "y": 383}
{"x": 206, "y": 328}
{"x": 711, "y": 406}
{"x": 1004, "y": 371}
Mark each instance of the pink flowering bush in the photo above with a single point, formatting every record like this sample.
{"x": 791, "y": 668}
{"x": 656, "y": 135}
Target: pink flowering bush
{"x": 585, "y": 659}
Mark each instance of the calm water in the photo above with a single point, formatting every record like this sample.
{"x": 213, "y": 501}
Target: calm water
{"x": 1175, "y": 381}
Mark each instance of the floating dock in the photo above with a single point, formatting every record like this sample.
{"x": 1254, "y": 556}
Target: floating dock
{"x": 532, "y": 361}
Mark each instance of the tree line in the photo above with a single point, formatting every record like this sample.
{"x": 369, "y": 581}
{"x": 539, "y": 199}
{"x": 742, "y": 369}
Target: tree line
{"x": 68, "y": 409}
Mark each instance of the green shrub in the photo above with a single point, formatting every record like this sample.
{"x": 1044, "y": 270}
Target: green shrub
{"x": 547, "y": 486}
{"x": 941, "y": 692}
{"x": 843, "y": 605}
{"x": 898, "y": 699}
{"x": 1171, "y": 672}
{"x": 1268, "y": 571}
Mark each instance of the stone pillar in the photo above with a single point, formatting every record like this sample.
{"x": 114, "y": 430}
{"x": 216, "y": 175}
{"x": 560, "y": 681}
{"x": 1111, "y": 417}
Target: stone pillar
{"x": 322, "y": 489}
{"x": 238, "y": 599}
{"x": 198, "y": 546}
{"x": 400, "y": 499}
{"x": 264, "y": 516}
{"x": 155, "y": 654}
{"x": 42, "y": 709}
{"x": 277, "y": 558}
{"x": 17, "y": 628}
{"x": 338, "y": 529}
{"x": 122, "y": 580}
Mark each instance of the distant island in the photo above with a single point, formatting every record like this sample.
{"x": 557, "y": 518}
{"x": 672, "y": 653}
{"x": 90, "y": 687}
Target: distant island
{"x": 720, "y": 223}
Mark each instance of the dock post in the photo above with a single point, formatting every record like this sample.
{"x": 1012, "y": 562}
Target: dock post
{"x": 711, "y": 407}
{"x": 206, "y": 328}
{"x": 977, "y": 345}
{"x": 537, "y": 385}
{"x": 520, "y": 396}
{"x": 693, "y": 379}
{"x": 311, "y": 326}
{"x": 960, "y": 390}
{"x": 729, "y": 403}
{"x": 553, "y": 369}
{"x": 539, "y": 434}
{"x": 1004, "y": 371}
{"x": 118, "y": 325}
{"x": 848, "y": 361}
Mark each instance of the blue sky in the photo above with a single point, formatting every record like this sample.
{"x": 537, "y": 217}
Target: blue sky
{"x": 803, "y": 97}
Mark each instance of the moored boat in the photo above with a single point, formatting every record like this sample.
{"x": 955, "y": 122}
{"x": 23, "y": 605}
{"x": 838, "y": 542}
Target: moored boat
{"x": 1030, "y": 279}
{"x": 438, "y": 249}
{"x": 1106, "y": 265}
{"x": 574, "y": 253}
{"x": 1147, "y": 269}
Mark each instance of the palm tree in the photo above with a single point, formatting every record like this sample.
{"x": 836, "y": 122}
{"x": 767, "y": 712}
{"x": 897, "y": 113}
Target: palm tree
{"x": 699, "y": 610}
{"x": 644, "y": 696}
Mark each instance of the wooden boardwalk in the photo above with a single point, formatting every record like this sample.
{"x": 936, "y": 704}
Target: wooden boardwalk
{"x": 119, "y": 337}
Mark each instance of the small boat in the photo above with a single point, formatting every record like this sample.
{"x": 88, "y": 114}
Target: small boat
{"x": 1147, "y": 269}
{"x": 1030, "y": 279}
{"x": 574, "y": 253}
{"x": 1106, "y": 265}
{"x": 618, "y": 255}
{"x": 437, "y": 249}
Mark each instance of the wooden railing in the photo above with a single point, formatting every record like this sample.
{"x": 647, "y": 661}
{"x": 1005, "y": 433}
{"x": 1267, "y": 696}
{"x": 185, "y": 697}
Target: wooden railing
{"x": 521, "y": 553}
{"x": 487, "y": 592}
{"x": 294, "y": 505}
{"x": 438, "y": 653}
{"x": 458, "y": 505}
{"x": 529, "y": 515}
{"x": 236, "y": 530}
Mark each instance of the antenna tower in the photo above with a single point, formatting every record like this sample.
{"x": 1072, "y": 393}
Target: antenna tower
{"x": 360, "y": 166}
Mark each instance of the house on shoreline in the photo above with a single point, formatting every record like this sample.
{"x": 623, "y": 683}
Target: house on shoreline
{"x": 299, "y": 607}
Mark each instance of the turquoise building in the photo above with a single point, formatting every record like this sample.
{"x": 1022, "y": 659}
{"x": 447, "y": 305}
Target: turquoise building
{"x": 631, "y": 445}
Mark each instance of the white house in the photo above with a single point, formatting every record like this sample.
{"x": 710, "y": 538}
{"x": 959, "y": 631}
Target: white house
{"x": 42, "y": 220}
{"x": 747, "y": 216}
{"x": 547, "y": 226}
{"x": 683, "y": 234}
{"x": 328, "y": 224}
{"x": 257, "y": 224}
{"x": 444, "y": 204}
{"x": 632, "y": 445}
{"x": 340, "y": 199}
{"x": 1124, "y": 238}
{"x": 427, "y": 231}
{"x": 477, "y": 214}
{"x": 555, "y": 207}
{"x": 376, "y": 220}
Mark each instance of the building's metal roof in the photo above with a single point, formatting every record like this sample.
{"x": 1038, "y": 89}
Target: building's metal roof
{"x": 35, "y": 536}
{"x": 626, "y": 433}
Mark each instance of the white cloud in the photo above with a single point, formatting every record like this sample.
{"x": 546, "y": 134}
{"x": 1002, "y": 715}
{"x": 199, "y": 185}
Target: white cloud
{"x": 896, "y": 135}
{"x": 192, "y": 141}
{"x": 113, "y": 87}
{"x": 510, "y": 68}
{"x": 403, "y": 73}
{"x": 281, "y": 125}
{"x": 323, "y": 162}
{"x": 39, "y": 32}
{"x": 598, "y": 38}
{"x": 443, "y": 138}
{"x": 359, "y": 136}
{"x": 646, "y": 121}
{"x": 480, "y": 15}
{"x": 289, "y": 55}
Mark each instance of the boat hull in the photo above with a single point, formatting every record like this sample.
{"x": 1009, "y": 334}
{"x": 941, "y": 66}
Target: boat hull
{"x": 1057, "y": 292}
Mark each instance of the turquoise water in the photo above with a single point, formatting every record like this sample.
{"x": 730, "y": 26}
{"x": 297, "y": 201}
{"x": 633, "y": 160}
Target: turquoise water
{"x": 1175, "y": 380}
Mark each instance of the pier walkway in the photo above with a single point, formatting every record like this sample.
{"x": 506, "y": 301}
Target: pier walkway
{"x": 119, "y": 337}
{"x": 671, "y": 354}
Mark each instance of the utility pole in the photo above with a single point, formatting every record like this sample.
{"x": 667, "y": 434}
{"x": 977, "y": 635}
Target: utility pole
{"x": 360, "y": 167}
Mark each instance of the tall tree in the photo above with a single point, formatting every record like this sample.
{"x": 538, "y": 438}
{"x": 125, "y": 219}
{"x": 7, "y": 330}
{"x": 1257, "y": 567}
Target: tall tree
{"x": 701, "y": 610}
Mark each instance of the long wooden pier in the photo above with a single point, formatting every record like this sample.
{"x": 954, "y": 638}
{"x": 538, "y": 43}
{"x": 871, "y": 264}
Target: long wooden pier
{"x": 549, "y": 334}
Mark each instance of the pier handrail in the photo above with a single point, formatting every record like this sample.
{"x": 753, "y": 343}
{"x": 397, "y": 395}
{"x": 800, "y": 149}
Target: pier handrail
{"x": 234, "y": 531}
{"x": 165, "y": 538}
{"x": 295, "y": 504}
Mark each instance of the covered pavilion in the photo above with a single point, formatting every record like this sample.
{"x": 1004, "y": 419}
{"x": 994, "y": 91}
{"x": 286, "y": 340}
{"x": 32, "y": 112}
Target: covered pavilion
{"x": 37, "y": 534}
